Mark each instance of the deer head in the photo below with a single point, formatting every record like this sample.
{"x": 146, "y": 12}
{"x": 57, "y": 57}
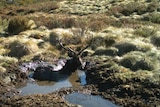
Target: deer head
{"x": 75, "y": 61}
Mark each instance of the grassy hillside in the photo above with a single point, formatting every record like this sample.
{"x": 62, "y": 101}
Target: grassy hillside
{"x": 125, "y": 52}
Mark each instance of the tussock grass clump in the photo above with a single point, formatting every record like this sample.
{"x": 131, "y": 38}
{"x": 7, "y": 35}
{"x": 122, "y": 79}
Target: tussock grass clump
{"x": 2, "y": 69}
{"x": 57, "y": 21}
{"x": 127, "y": 23}
{"x": 145, "y": 32}
{"x": 144, "y": 47}
{"x": 110, "y": 40}
{"x": 47, "y": 55}
{"x": 147, "y": 78}
{"x": 156, "y": 40}
{"x": 144, "y": 64}
{"x": 19, "y": 24}
{"x": 97, "y": 25}
{"x": 136, "y": 61}
{"x": 129, "y": 76}
{"x": 98, "y": 22}
{"x": 132, "y": 7}
{"x": 97, "y": 42}
{"x": 19, "y": 49}
{"x": 153, "y": 17}
{"x": 67, "y": 38}
{"x": 106, "y": 51}
{"x": 128, "y": 9}
{"x": 125, "y": 47}
{"x": 57, "y": 34}
{"x": 115, "y": 10}
{"x": 53, "y": 38}
{"x": 20, "y": 2}
{"x": 7, "y": 60}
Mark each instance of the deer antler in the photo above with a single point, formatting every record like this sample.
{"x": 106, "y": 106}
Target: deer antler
{"x": 67, "y": 49}
{"x": 86, "y": 46}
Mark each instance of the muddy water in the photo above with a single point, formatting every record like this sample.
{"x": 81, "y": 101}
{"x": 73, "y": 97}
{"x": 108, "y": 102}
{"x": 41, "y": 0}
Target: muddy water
{"x": 86, "y": 100}
{"x": 45, "y": 87}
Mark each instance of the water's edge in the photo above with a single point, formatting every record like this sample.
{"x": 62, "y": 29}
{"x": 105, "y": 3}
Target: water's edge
{"x": 86, "y": 100}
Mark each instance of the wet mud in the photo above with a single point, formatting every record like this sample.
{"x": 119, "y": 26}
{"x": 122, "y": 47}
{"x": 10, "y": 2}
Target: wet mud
{"x": 101, "y": 81}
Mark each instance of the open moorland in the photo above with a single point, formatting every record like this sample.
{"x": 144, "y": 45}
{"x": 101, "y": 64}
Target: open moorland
{"x": 124, "y": 55}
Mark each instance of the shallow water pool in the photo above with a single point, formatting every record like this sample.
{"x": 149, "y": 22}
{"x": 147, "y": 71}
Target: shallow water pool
{"x": 34, "y": 88}
{"x": 44, "y": 87}
{"x": 86, "y": 100}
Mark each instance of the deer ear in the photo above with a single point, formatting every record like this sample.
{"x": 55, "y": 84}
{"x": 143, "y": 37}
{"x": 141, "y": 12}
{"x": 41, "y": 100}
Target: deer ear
{"x": 84, "y": 54}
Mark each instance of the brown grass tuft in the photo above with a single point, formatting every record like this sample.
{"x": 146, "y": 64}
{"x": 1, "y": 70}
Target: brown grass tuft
{"x": 19, "y": 49}
{"x": 18, "y": 24}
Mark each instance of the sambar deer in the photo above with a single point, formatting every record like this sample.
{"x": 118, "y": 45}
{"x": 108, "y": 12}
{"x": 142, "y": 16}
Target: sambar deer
{"x": 70, "y": 66}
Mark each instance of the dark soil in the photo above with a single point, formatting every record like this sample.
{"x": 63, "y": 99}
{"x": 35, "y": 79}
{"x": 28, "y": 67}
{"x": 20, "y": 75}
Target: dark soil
{"x": 130, "y": 93}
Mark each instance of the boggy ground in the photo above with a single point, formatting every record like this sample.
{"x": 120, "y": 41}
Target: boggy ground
{"x": 124, "y": 56}
{"x": 11, "y": 97}
{"x": 129, "y": 91}
{"x": 102, "y": 80}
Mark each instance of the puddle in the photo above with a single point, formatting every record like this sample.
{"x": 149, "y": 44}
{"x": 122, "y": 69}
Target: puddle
{"x": 86, "y": 100}
{"x": 34, "y": 88}
{"x": 45, "y": 87}
{"x": 82, "y": 77}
